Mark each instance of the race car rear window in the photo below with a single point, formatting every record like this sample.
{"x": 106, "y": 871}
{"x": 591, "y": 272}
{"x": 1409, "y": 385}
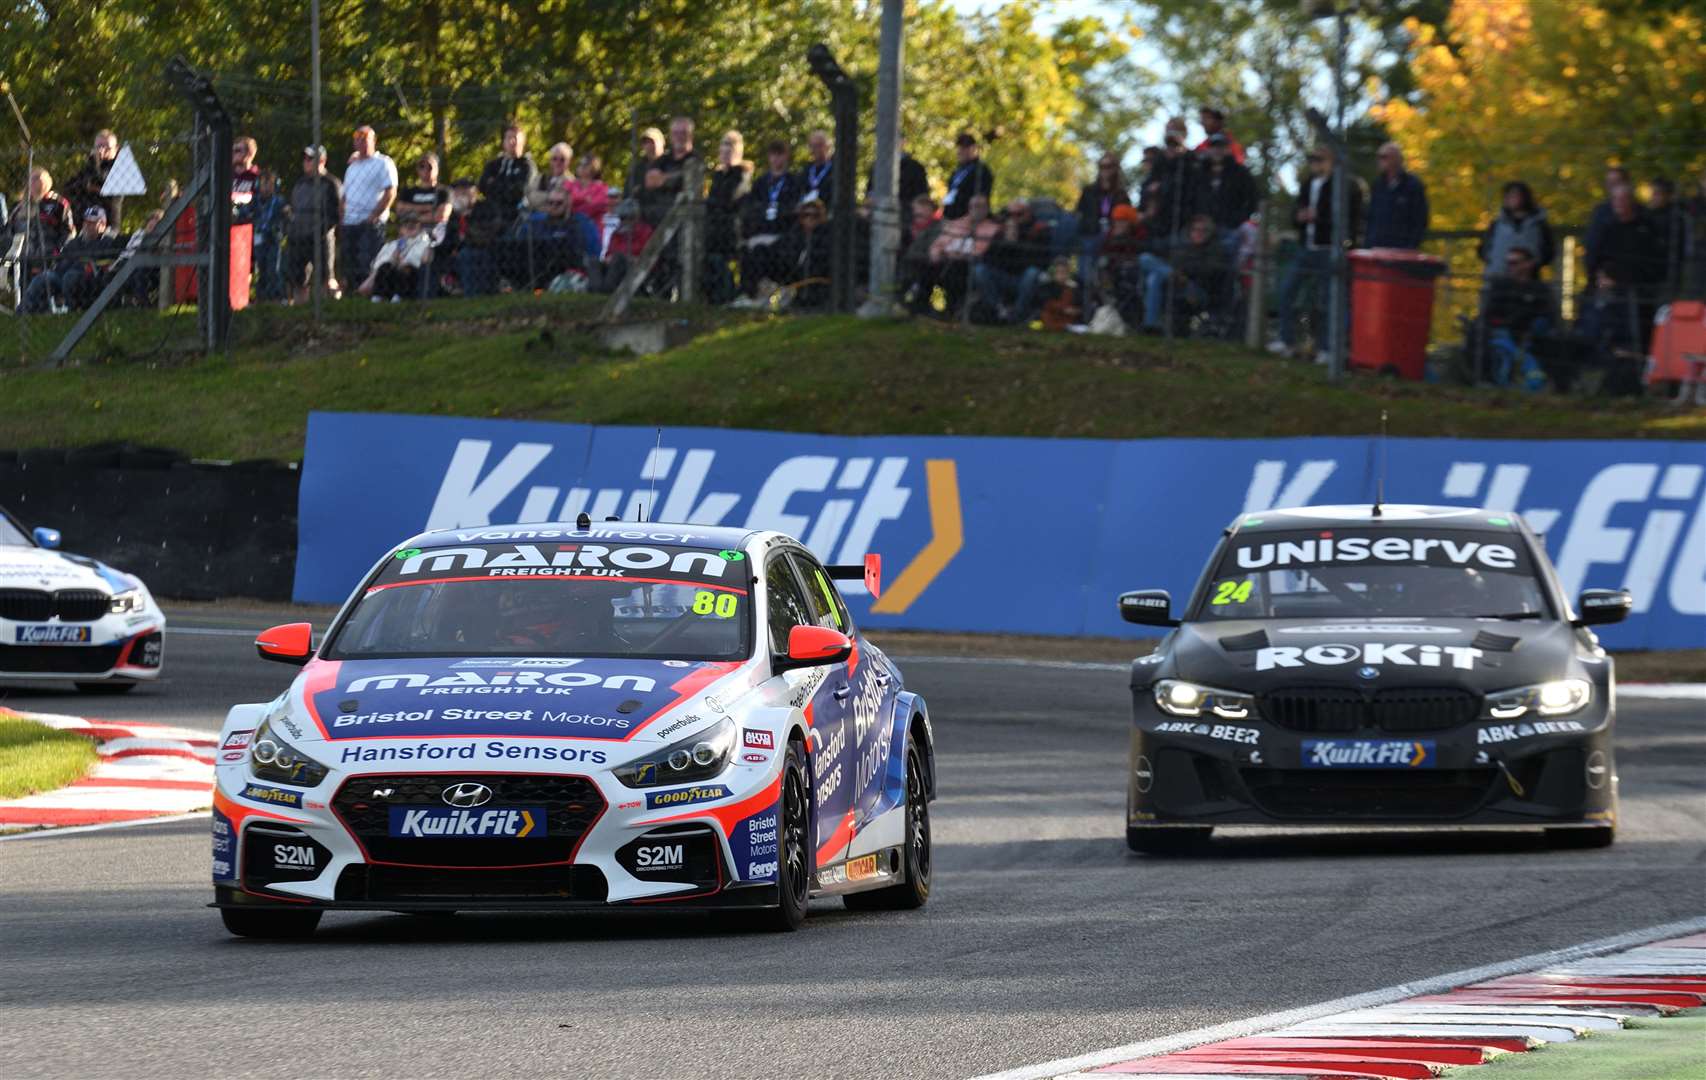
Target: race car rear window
{"x": 1338, "y": 572}
{"x": 554, "y": 599}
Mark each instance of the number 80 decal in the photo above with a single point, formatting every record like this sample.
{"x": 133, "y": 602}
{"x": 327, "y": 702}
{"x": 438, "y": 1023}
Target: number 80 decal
{"x": 722, "y": 605}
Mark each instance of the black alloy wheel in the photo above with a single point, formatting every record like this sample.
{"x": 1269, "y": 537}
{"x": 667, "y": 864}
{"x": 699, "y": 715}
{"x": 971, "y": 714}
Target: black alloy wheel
{"x": 912, "y": 893}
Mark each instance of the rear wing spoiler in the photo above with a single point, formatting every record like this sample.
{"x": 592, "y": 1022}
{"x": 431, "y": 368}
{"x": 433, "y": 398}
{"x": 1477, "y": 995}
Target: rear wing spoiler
{"x": 871, "y": 571}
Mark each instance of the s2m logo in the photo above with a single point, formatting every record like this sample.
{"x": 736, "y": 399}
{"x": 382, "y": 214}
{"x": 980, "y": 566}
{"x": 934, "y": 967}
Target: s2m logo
{"x": 834, "y": 505}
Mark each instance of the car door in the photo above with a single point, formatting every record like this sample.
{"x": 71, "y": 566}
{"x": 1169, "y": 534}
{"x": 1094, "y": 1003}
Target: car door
{"x": 871, "y": 685}
{"x": 822, "y": 693}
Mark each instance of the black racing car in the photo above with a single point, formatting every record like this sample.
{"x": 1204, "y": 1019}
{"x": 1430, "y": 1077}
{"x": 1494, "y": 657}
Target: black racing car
{"x": 1374, "y": 666}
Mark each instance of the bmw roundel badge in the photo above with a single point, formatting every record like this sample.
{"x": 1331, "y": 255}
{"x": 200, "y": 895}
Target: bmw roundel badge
{"x": 1368, "y": 671}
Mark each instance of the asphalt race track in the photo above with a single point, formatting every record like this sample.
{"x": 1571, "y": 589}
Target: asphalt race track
{"x": 1043, "y": 938}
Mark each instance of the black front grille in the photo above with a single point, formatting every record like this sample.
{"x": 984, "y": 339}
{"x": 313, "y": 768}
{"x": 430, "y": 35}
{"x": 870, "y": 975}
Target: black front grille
{"x": 1317, "y": 710}
{"x": 572, "y": 804}
{"x": 1424, "y": 709}
{"x": 397, "y": 884}
{"x": 1314, "y": 709}
{"x": 59, "y": 659}
{"x": 39, "y": 605}
{"x": 1371, "y": 794}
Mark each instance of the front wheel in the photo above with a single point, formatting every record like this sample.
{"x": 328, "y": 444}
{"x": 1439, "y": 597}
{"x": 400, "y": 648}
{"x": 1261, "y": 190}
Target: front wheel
{"x": 915, "y": 890}
{"x": 269, "y": 922}
{"x": 794, "y": 863}
{"x": 1173, "y": 840}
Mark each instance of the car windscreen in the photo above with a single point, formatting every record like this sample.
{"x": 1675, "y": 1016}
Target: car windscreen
{"x": 1334, "y": 573}
{"x": 553, "y": 599}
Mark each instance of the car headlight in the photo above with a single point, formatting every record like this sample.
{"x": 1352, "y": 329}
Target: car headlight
{"x": 1556, "y": 698}
{"x": 125, "y": 602}
{"x": 273, "y": 759}
{"x": 1180, "y": 698}
{"x": 698, "y": 757}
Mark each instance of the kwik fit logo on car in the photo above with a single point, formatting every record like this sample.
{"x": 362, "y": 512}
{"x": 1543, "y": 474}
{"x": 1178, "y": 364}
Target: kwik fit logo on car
{"x": 433, "y": 822}
{"x": 1368, "y": 753}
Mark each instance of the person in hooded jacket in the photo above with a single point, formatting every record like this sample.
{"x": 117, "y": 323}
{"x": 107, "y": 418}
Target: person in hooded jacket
{"x": 1520, "y": 223}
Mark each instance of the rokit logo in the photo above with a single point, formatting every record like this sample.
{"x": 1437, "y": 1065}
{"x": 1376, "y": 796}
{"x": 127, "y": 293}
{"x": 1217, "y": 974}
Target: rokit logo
{"x": 853, "y": 496}
{"x": 1404, "y": 654}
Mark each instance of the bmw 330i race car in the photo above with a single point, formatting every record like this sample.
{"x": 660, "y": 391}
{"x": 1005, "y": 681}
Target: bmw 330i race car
{"x": 570, "y": 716}
{"x": 70, "y": 618}
{"x": 1400, "y": 666}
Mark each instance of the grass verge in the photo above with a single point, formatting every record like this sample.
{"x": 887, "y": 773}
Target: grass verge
{"x": 540, "y": 358}
{"x": 35, "y": 758}
{"x": 1669, "y": 1049}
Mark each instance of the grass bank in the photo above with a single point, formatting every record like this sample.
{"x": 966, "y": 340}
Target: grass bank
{"x": 35, "y": 758}
{"x": 540, "y": 358}
{"x": 1670, "y": 1049}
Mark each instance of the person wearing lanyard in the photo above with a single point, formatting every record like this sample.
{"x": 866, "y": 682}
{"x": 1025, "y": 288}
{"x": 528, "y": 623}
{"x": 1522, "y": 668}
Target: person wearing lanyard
{"x": 972, "y": 177}
{"x": 817, "y": 179}
{"x": 766, "y": 214}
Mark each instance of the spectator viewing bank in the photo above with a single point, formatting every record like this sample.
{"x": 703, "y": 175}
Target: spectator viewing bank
{"x": 1224, "y": 228}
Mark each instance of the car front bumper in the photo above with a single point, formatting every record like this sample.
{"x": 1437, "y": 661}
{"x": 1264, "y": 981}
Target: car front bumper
{"x": 115, "y": 647}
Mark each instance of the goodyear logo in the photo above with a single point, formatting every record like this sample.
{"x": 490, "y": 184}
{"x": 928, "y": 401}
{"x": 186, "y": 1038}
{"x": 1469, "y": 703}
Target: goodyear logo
{"x": 422, "y": 822}
{"x": 686, "y": 796}
{"x": 276, "y": 796}
{"x": 1368, "y": 753}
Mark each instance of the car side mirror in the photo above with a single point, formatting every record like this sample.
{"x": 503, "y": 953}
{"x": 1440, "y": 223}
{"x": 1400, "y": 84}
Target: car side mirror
{"x": 290, "y": 643}
{"x": 1148, "y": 607}
{"x": 46, "y": 537}
{"x": 815, "y": 646}
{"x": 1597, "y": 607}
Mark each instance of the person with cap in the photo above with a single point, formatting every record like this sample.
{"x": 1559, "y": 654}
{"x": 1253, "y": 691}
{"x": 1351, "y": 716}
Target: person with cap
{"x": 969, "y": 179}
{"x": 315, "y": 201}
{"x": 75, "y": 277}
{"x": 1397, "y": 205}
{"x": 1213, "y": 121}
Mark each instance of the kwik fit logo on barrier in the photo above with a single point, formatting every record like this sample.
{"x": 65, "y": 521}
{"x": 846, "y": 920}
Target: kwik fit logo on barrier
{"x": 1004, "y": 535}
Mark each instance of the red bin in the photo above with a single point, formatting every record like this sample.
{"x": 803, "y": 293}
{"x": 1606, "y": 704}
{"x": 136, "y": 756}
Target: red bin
{"x": 1392, "y": 307}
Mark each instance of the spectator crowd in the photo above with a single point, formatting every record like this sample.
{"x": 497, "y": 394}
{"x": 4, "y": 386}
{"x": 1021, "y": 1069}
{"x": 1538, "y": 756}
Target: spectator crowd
{"x": 1168, "y": 248}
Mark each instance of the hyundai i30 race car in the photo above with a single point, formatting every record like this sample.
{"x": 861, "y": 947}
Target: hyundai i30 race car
{"x": 67, "y": 617}
{"x": 1405, "y": 665}
{"x": 569, "y": 716}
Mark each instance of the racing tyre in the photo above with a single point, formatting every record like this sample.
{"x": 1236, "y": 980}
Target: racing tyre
{"x": 1577, "y": 839}
{"x": 106, "y": 687}
{"x": 915, "y": 890}
{"x": 794, "y": 852}
{"x": 1176, "y": 840}
{"x": 269, "y": 923}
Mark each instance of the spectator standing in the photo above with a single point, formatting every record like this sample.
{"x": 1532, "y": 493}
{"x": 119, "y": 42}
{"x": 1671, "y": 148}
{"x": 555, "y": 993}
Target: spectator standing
{"x": 911, "y": 180}
{"x": 245, "y": 176}
{"x": 1398, "y": 205}
{"x": 767, "y": 215}
{"x": 646, "y": 150}
{"x": 1213, "y": 121}
{"x": 396, "y": 271}
{"x": 1313, "y": 266}
{"x": 665, "y": 176}
{"x": 1631, "y": 242}
{"x": 267, "y": 212}
{"x": 370, "y": 186}
{"x": 970, "y": 179}
{"x": 508, "y": 178}
{"x": 1611, "y": 330}
{"x": 316, "y": 187}
{"x": 1694, "y": 209}
{"x": 426, "y": 200}
{"x": 1670, "y": 220}
{"x": 1096, "y": 204}
{"x": 817, "y": 179}
{"x": 1226, "y": 191}
{"x": 589, "y": 195}
{"x": 730, "y": 184}
{"x": 1013, "y": 266}
{"x": 84, "y": 187}
{"x": 1616, "y": 176}
{"x": 962, "y": 242}
{"x": 1520, "y": 223}
{"x": 559, "y": 165}
{"x": 45, "y": 215}
{"x": 1170, "y": 192}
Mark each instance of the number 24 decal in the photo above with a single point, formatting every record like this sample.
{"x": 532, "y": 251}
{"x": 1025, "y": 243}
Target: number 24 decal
{"x": 1232, "y": 592}
{"x": 722, "y": 605}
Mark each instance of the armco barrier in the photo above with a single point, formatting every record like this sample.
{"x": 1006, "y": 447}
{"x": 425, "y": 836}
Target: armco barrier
{"x": 1004, "y": 535}
{"x": 191, "y": 531}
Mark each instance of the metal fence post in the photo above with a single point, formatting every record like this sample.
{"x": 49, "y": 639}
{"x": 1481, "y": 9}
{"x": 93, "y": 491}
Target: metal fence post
{"x": 692, "y": 250}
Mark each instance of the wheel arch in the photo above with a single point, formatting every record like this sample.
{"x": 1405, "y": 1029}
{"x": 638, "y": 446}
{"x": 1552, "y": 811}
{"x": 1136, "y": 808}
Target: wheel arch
{"x": 919, "y": 734}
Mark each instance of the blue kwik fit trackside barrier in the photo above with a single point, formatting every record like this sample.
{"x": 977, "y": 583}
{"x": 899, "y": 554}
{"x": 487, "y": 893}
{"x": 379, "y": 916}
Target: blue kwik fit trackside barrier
{"x": 999, "y": 535}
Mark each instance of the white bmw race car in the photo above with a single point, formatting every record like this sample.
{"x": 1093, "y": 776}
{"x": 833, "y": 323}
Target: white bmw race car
{"x": 71, "y": 618}
{"x": 568, "y": 716}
